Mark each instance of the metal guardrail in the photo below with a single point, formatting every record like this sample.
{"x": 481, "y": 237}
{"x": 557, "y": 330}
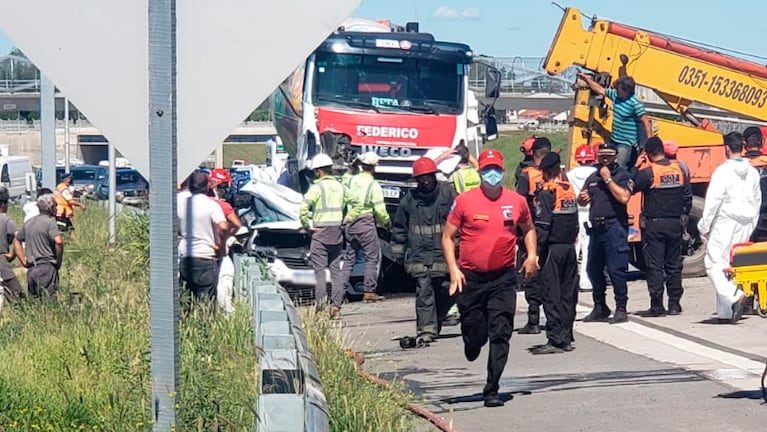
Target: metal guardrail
{"x": 290, "y": 393}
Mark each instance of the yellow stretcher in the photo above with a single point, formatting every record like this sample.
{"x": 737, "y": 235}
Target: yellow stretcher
{"x": 748, "y": 269}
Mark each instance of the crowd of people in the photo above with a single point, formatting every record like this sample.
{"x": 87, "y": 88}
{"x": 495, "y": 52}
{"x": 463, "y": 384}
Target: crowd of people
{"x": 38, "y": 243}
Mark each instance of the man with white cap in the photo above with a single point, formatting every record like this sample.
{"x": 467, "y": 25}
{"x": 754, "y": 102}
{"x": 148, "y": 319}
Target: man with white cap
{"x": 325, "y": 199}
{"x": 366, "y": 207}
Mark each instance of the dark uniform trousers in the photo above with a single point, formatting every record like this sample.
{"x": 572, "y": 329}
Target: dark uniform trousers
{"x": 327, "y": 256}
{"x": 661, "y": 247}
{"x": 532, "y": 288}
{"x": 361, "y": 235}
{"x": 487, "y": 306}
{"x": 559, "y": 289}
{"x": 609, "y": 247}
{"x": 432, "y": 302}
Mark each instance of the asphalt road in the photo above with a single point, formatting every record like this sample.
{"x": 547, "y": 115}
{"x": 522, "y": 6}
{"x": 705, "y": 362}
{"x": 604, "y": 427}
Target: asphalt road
{"x": 667, "y": 374}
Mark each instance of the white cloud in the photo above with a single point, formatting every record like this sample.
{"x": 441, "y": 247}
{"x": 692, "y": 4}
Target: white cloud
{"x": 446, "y": 13}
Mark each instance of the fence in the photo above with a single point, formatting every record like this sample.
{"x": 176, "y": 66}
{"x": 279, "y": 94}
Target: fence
{"x": 290, "y": 394}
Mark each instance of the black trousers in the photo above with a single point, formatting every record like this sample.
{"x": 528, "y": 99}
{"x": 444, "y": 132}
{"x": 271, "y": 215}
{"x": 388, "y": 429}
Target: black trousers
{"x": 532, "y": 288}
{"x": 662, "y": 249}
{"x": 487, "y": 306}
{"x": 432, "y": 302}
{"x": 200, "y": 276}
{"x": 609, "y": 246}
{"x": 559, "y": 277}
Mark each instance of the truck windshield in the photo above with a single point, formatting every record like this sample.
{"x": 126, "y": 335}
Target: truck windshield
{"x": 388, "y": 83}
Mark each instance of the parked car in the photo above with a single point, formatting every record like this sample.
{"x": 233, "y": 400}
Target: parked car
{"x": 132, "y": 187}
{"x": 85, "y": 178}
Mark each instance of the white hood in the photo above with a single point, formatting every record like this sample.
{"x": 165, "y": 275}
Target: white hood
{"x": 733, "y": 194}
{"x": 578, "y": 175}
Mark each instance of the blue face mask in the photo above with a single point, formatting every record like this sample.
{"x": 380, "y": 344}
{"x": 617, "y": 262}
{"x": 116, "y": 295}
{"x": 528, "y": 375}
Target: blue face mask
{"x": 492, "y": 176}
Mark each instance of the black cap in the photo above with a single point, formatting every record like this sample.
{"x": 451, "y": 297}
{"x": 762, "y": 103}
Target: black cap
{"x": 541, "y": 143}
{"x": 551, "y": 159}
{"x": 608, "y": 149}
{"x": 198, "y": 182}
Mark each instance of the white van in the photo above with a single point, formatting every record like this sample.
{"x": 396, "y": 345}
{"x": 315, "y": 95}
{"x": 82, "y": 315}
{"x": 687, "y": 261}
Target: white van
{"x": 17, "y": 176}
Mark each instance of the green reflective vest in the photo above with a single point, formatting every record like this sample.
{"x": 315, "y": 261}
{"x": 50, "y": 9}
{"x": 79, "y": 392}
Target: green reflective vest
{"x": 325, "y": 199}
{"x": 466, "y": 179}
{"x": 366, "y": 197}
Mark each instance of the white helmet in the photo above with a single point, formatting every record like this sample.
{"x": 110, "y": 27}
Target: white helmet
{"x": 369, "y": 158}
{"x": 321, "y": 161}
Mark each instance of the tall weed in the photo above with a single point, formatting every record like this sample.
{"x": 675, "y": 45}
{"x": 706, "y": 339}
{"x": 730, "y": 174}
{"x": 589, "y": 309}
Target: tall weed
{"x": 82, "y": 362}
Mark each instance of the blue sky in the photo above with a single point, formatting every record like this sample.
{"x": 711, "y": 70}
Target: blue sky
{"x": 508, "y": 28}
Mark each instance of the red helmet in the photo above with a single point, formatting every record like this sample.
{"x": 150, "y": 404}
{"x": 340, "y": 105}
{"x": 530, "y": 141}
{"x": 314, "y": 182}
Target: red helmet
{"x": 220, "y": 176}
{"x": 527, "y": 145}
{"x": 585, "y": 153}
{"x": 424, "y": 165}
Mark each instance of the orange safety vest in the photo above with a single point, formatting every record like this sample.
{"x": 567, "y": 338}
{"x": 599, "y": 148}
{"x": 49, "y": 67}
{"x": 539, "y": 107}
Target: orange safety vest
{"x": 564, "y": 196}
{"x": 667, "y": 176}
{"x": 759, "y": 161}
{"x": 534, "y": 179}
{"x": 63, "y": 207}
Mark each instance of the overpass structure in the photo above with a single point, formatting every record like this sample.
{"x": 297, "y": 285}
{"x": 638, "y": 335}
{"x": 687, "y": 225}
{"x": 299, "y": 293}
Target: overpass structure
{"x": 524, "y": 85}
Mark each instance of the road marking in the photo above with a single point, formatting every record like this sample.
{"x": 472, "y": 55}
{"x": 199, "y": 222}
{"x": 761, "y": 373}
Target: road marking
{"x": 734, "y": 370}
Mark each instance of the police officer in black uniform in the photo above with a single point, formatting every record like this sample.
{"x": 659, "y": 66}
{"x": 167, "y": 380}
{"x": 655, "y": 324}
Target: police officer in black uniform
{"x": 665, "y": 208}
{"x": 556, "y": 228}
{"x": 529, "y": 181}
{"x": 607, "y": 191}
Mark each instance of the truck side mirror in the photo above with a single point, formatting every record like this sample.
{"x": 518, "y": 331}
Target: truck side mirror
{"x": 492, "y": 83}
{"x": 491, "y": 127}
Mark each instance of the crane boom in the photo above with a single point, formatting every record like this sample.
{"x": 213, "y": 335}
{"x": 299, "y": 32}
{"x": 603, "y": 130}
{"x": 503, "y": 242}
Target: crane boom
{"x": 679, "y": 72}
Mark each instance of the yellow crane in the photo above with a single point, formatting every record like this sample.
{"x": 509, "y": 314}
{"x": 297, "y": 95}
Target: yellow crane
{"x": 680, "y": 73}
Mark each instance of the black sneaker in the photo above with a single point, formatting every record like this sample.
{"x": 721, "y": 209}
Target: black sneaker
{"x": 471, "y": 353}
{"x": 547, "y": 349}
{"x": 529, "y": 329}
{"x": 566, "y": 347}
{"x": 620, "y": 316}
{"x": 653, "y": 312}
{"x": 492, "y": 400}
{"x": 599, "y": 314}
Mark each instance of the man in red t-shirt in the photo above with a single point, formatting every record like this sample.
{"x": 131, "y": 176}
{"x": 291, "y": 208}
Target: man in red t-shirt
{"x": 487, "y": 218}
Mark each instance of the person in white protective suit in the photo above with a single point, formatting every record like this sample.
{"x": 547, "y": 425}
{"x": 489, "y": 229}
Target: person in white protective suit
{"x": 586, "y": 157}
{"x": 729, "y": 216}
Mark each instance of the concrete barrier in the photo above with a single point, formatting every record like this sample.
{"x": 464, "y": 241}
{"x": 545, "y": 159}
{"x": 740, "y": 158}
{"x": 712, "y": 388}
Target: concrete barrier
{"x": 290, "y": 393}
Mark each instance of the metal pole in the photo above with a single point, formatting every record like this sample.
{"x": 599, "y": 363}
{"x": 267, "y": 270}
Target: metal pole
{"x": 48, "y": 132}
{"x": 163, "y": 265}
{"x": 66, "y": 134}
{"x": 112, "y": 205}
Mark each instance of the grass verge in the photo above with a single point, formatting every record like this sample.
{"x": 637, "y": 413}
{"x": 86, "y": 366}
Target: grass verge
{"x": 355, "y": 404}
{"x": 82, "y": 362}
{"x": 509, "y": 142}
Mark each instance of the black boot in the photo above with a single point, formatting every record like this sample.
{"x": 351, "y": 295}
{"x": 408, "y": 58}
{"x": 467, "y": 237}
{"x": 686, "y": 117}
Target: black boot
{"x": 674, "y": 308}
{"x": 530, "y": 328}
{"x": 620, "y": 316}
{"x": 656, "y": 310}
{"x": 600, "y": 313}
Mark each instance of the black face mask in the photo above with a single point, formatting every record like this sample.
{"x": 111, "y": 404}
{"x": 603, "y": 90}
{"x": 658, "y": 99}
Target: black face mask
{"x": 426, "y": 183}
